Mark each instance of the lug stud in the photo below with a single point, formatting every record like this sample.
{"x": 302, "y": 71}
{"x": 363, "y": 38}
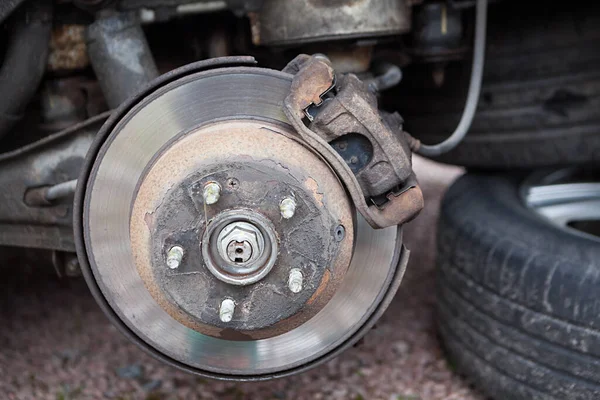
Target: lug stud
{"x": 174, "y": 257}
{"x": 287, "y": 207}
{"x": 226, "y": 310}
{"x": 295, "y": 280}
{"x": 211, "y": 193}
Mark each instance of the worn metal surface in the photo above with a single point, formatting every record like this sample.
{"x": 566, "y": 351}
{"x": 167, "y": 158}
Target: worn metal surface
{"x": 162, "y": 14}
{"x": 34, "y": 168}
{"x": 353, "y": 58}
{"x": 68, "y": 49}
{"x": 69, "y": 100}
{"x": 136, "y": 4}
{"x": 354, "y": 306}
{"x": 353, "y": 109}
{"x": 65, "y": 264}
{"x": 302, "y": 21}
{"x": 45, "y": 196}
{"x": 63, "y": 103}
{"x": 211, "y": 192}
{"x": 336, "y": 110}
{"x": 120, "y": 56}
{"x": 175, "y": 256}
{"x": 386, "y": 77}
{"x": 267, "y": 166}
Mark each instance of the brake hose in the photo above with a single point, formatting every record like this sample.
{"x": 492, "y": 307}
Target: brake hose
{"x": 474, "y": 89}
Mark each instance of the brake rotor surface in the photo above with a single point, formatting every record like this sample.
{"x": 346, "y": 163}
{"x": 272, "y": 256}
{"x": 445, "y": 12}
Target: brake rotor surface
{"x": 143, "y": 197}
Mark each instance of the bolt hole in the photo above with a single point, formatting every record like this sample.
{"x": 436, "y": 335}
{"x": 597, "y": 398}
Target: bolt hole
{"x": 340, "y": 233}
{"x": 239, "y": 260}
{"x": 233, "y": 183}
{"x": 239, "y": 250}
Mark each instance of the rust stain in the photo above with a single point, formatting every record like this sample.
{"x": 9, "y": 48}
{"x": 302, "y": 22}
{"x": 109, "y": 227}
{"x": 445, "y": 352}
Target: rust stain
{"x": 313, "y": 186}
{"x": 67, "y": 48}
{"x": 321, "y": 288}
{"x": 181, "y": 158}
{"x": 400, "y": 209}
{"x": 315, "y": 77}
{"x": 254, "y": 27}
{"x": 149, "y": 220}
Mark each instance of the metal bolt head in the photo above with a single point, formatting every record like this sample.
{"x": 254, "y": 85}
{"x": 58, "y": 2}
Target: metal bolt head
{"x": 72, "y": 267}
{"x": 226, "y": 310}
{"x": 211, "y": 193}
{"x": 240, "y": 242}
{"x": 174, "y": 257}
{"x": 295, "y": 280}
{"x": 287, "y": 207}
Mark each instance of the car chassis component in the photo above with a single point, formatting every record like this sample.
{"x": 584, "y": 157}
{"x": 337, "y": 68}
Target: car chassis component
{"x": 229, "y": 232}
{"x": 236, "y": 185}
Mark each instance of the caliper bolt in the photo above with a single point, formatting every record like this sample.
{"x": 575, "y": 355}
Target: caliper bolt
{"x": 174, "y": 257}
{"x": 226, "y": 310}
{"x": 295, "y": 280}
{"x": 287, "y": 207}
{"x": 211, "y": 193}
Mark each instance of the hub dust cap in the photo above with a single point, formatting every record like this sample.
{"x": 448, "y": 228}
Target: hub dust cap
{"x": 240, "y": 247}
{"x": 220, "y": 242}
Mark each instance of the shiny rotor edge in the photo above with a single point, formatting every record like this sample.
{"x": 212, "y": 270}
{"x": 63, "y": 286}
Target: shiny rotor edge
{"x": 401, "y": 257}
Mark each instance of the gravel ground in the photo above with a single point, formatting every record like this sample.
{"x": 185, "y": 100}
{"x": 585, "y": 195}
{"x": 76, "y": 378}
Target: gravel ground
{"x": 56, "y": 343}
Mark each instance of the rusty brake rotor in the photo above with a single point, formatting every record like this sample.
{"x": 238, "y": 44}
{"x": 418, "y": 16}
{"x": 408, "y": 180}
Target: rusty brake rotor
{"x": 217, "y": 240}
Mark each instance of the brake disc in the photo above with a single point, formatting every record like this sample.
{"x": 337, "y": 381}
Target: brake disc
{"x": 217, "y": 241}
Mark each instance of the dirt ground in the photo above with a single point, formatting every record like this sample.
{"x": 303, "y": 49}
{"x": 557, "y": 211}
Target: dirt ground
{"x": 55, "y": 343}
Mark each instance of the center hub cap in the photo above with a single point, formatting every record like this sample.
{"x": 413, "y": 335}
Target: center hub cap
{"x": 240, "y": 247}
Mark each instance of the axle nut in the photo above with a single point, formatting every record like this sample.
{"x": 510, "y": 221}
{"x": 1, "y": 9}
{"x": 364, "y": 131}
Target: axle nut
{"x": 240, "y": 242}
{"x": 239, "y": 252}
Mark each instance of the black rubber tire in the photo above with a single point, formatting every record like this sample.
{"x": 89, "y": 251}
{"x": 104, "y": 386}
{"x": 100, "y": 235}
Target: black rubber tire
{"x": 540, "y": 96}
{"x": 518, "y": 298}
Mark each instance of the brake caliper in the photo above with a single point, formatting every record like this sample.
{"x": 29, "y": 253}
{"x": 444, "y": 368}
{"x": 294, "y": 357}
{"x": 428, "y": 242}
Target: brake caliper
{"x": 367, "y": 148}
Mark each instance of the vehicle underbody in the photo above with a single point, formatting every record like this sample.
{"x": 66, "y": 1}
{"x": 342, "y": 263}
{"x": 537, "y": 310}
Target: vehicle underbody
{"x": 231, "y": 177}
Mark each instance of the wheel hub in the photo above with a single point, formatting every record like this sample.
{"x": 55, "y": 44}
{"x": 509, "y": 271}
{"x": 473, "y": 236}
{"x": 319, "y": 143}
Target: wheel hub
{"x": 170, "y": 209}
{"x": 234, "y": 247}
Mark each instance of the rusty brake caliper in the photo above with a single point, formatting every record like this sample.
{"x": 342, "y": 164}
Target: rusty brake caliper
{"x": 338, "y": 117}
